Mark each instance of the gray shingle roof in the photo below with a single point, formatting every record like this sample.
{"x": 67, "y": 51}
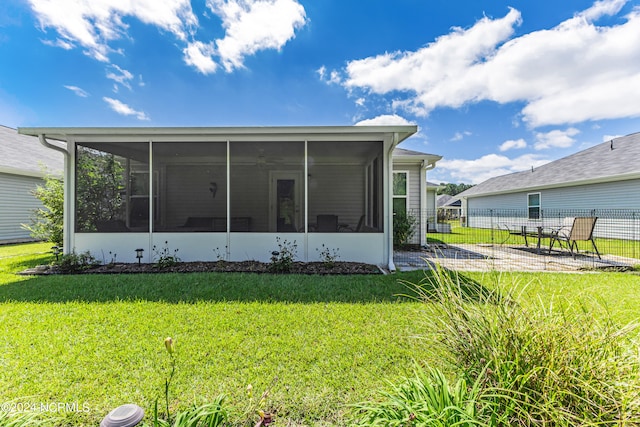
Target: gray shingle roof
{"x": 404, "y": 152}
{"x": 24, "y": 155}
{"x": 613, "y": 160}
{"x": 443, "y": 200}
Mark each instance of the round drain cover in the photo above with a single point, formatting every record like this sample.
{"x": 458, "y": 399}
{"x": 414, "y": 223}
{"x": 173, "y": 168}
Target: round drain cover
{"x": 127, "y": 415}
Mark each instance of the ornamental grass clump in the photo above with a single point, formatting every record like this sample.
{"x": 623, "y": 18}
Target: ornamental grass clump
{"x": 546, "y": 365}
{"x": 426, "y": 399}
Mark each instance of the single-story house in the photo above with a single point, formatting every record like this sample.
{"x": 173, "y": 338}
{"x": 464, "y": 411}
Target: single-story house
{"x": 234, "y": 192}
{"x": 448, "y": 206}
{"x": 23, "y": 164}
{"x": 602, "y": 181}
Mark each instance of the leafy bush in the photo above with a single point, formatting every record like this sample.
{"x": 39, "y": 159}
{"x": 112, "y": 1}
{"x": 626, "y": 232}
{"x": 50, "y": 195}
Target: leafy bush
{"x": 282, "y": 259}
{"x": 404, "y": 226}
{"x": 164, "y": 257}
{"x": 74, "y": 263}
{"x": 328, "y": 256}
{"x": 546, "y": 366}
{"x": 47, "y": 222}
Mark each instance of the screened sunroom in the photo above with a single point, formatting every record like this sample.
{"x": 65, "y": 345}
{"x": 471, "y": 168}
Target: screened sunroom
{"x": 228, "y": 193}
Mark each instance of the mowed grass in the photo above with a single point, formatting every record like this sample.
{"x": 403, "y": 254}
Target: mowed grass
{"x": 317, "y": 343}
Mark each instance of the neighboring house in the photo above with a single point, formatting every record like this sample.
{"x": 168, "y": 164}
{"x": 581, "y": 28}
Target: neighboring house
{"x": 230, "y": 193}
{"x": 603, "y": 180}
{"x": 448, "y": 206}
{"x": 410, "y": 172}
{"x": 23, "y": 161}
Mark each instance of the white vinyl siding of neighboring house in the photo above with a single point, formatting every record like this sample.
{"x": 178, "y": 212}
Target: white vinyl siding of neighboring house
{"x": 555, "y": 201}
{"x": 17, "y": 205}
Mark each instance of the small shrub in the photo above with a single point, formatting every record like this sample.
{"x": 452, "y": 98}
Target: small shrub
{"x": 165, "y": 259}
{"x": 47, "y": 221}
{"x": 220, "y": 255}
{"x": 328, "y": 256}
{"x": 282, "y": 259}
{"x": 73, "y": 262}
{"x": 404, "y": 225}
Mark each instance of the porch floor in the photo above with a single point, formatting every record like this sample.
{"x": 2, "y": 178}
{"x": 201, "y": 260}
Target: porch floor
{"x": 487, "y": 257}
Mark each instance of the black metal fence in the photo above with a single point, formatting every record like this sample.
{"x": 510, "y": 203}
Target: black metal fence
{"x": 520, "y": 239}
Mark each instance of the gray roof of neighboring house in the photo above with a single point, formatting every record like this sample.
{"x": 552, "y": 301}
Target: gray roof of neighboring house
{"x": 24, "y": 155}
{"x": 443, "y": 200}
{"x": 615, "y": 160}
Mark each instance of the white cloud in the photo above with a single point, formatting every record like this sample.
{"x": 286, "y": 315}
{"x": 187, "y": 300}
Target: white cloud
{"x": 360, "y": 102}
{"x": 250, "y": 26}
{"x": 199, "y": 55}
{"x": 94, "y": 24}
{"x": 460, "y": 135}
{"x": 78, "y": 91}
{"x": 555, "y": 139}
{"x": 513, "y": 144}
{"x": 610, "y": 137}
{"x": 123, "y": 109}
{"x": 385, "y": 120}
{"x": 574, "y": 72}
{"x": 119, "y": 75}
{"x": 478, "y": 170}
{"x": 253, "y": 25}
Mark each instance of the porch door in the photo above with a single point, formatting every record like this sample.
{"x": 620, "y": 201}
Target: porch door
{"x": 285, "y": 198}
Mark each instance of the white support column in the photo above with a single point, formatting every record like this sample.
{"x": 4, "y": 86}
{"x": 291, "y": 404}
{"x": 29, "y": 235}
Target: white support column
{"x": 69, "y": 215}
{"x": 228, "y": 200}
{"x": 423, "y": 204}
{"x": 306, "y": 201}
{"x": 151, "y": 203}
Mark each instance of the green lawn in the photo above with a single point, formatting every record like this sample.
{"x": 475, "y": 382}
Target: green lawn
{"x": 316, "y": 342}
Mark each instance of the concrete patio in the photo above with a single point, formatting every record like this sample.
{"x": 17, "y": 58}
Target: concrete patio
{"x": 487, "y": 257}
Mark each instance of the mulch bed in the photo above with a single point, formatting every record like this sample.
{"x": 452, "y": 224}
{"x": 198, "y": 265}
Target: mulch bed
{"x": 216, "y": 266}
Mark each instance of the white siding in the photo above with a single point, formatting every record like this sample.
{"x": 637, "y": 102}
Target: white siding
{"x": 16, "y": 206}
{"x": 565, "y": 201}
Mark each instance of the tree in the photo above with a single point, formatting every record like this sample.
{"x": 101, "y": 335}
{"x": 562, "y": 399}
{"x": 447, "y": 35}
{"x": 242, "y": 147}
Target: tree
{"x": 453, "y": 189}
{"x": 47, "y": 222}
{"x": 99, "y": 187}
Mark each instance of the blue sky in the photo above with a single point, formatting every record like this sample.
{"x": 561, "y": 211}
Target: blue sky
{"x": 494, "y": 87}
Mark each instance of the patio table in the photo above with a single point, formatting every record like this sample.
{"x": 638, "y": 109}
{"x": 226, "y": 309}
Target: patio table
{"x": 538, "y": 233}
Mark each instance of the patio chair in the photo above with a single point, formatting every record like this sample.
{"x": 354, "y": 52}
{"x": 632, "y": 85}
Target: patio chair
{"x": 574, "y": 230}
{"x": 327, "y": 223}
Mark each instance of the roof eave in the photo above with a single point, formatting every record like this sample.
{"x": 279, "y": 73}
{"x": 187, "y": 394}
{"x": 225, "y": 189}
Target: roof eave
{"x": 623, "y": 177}
{"x": 63, "y": 133}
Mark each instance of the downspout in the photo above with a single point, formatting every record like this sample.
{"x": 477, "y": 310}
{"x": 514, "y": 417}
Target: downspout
{"x": 394, "y": 142}
{"x": 66, "y": 225}
{"x": 423, "y": 200}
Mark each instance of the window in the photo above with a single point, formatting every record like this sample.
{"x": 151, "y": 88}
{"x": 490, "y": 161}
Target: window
{"x": 400, "y": 193}
{"x": 533, "y": 203}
